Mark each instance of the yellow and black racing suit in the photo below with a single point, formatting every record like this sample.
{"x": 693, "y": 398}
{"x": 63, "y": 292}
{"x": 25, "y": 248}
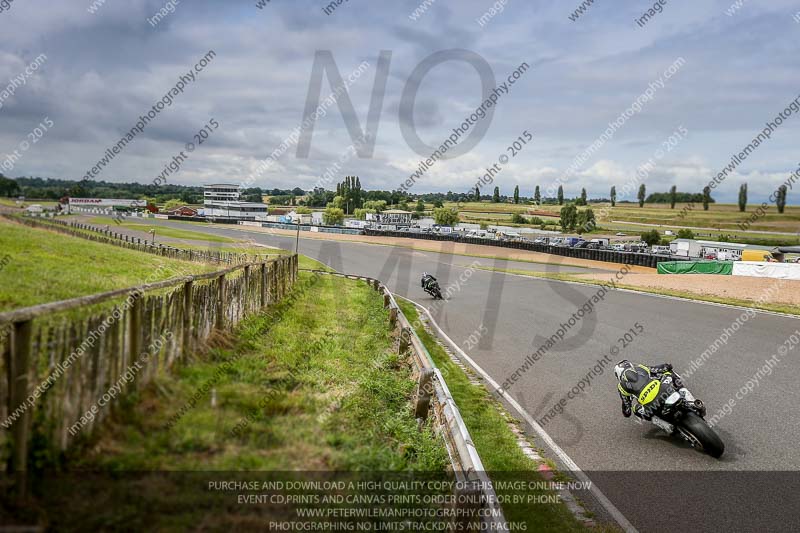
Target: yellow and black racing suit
{"x": 638, "y": 383}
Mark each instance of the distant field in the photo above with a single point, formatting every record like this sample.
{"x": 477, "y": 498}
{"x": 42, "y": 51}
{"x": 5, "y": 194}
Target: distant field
{"x": 10, "y": 202}
{"x": 718, "y": 216}
{"x": 630, "y": 218}
{"x": 43, "y": 266}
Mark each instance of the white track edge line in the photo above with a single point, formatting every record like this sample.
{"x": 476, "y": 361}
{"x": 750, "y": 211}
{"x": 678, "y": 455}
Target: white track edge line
{"x": 562, "y": 455}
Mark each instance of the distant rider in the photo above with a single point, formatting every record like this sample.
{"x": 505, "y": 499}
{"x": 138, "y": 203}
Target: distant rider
{"x": 633, "y": 379}
{"x": 428, "y": 282}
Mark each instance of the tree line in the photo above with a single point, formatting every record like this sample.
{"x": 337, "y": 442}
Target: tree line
{"x": 56, "y": 189}
{"x": 349, "y": 190}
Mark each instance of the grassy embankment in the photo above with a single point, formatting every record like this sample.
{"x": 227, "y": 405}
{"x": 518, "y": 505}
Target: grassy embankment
{"x": 198, "y": 240}
{"x": 313, "y": 384}
{"x": 496, "y": 443}
{"x": 44, "y": 266}
{"x": 161, "y": 231}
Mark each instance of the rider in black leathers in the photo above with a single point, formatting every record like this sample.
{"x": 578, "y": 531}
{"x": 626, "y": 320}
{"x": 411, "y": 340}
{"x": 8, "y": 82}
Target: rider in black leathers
{"x": 633, "y": 379}
{"x": 428, "y": 281}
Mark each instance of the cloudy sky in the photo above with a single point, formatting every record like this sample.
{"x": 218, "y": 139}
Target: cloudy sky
{"x": 105, "y": 69}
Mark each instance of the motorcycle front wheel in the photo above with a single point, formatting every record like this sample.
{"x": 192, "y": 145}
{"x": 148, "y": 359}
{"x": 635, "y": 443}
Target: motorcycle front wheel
{"x": 700, "y": 434}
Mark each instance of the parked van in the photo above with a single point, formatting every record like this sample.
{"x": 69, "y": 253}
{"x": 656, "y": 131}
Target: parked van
{"x": 757, "y": 255}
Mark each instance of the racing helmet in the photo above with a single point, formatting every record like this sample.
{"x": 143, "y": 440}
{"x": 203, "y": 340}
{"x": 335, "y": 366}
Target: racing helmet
{"x": 621, "y": 367}
{"x": 425, "y": 274}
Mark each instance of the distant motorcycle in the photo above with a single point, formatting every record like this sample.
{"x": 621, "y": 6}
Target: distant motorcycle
{"x": 685, "y": 413}
{"x": 434, "y": 290}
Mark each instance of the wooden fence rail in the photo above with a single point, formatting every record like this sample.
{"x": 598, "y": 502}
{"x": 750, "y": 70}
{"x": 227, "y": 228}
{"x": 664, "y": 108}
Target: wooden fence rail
{"x": 62, "y": 359}
{"x": 108, "y": 236}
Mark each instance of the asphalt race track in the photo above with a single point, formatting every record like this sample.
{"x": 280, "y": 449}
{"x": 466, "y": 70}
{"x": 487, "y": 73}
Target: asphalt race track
{"x": 658, "y": 482}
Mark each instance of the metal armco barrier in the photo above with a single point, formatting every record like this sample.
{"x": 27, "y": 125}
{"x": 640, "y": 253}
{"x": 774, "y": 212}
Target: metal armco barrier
{"x": 433, "y": 398}
{"x": 609, "y": 256}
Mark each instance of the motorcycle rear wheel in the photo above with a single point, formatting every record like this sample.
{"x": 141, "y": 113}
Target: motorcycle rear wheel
{"x": 700, "y": 434}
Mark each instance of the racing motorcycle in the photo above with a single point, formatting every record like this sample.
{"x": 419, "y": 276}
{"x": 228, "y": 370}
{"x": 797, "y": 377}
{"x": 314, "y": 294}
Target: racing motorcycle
{"x": 434, "y": 290}
{"x": 684, "y": 412}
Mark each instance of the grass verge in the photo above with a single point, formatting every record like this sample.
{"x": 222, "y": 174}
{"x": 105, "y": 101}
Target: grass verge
{"x": 315, "y": 384}
{"x": 162, "y": 231}
{"x": 44, "y": 266}
{"x": 495, "y": 441}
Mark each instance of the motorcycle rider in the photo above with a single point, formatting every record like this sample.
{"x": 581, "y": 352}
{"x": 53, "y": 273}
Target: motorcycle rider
{"x": 428, "y": 282}
{"x": 633, "y": 379}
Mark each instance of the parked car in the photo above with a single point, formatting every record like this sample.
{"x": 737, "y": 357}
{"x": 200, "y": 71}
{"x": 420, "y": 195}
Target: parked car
{"x": 619, "y": 234}
{"x": 581, "y": 244}
{"x": 661, "y": 250}
{"x": 619, "y": 247}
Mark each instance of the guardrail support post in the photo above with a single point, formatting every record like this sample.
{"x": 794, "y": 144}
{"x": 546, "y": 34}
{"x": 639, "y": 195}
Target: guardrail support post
{"x": 405, "y": 340}
{"x": 20, "y": 356}
{"x": 422, "y": 402}
{"x": 386, "y": 300}
{"x": 467, "y": 503}
{"x": 392, "y": 318}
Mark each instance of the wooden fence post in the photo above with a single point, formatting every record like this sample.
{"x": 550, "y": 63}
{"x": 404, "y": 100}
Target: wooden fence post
{"x": 392, "y": 318}
{"x": 263, "y": 285}
{"x": 134, "y": 327}
{"x": 246, "y": 282}
{"x": 422, "y": 402}
{"x": 220, "y": 302}
{"x": 386, "y": 300}
{"x": 187, "y": 317}
{"x": 20, "y": 359}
